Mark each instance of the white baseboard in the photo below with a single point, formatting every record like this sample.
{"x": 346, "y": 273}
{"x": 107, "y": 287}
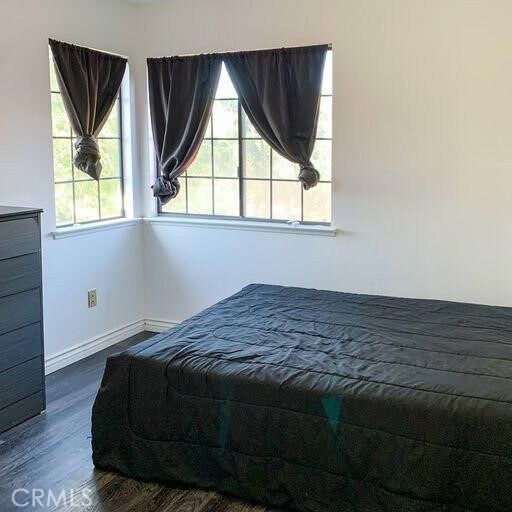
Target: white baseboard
{"x": 87, "y": 348}
{"x": 154, "y": 325}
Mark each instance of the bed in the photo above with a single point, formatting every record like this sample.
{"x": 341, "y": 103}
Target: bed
{"x": 320, "y": 401}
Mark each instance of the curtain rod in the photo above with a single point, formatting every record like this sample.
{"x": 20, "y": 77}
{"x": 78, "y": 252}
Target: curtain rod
{"x": 329, "y": 46}
{"x": 88, "y": 48}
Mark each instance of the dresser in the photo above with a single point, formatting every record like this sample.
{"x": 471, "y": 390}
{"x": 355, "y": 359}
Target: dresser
{"x": 22, "y": 392}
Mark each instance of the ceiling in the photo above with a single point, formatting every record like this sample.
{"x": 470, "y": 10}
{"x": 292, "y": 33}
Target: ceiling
{"x": 142, "y": 1}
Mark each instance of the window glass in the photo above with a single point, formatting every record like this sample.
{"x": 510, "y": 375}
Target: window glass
{"x": 234, "y": 163}
{"x": 79, "y": 198}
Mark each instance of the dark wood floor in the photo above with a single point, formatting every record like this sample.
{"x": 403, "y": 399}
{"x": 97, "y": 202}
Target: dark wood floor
{"x": 53, "y": 451}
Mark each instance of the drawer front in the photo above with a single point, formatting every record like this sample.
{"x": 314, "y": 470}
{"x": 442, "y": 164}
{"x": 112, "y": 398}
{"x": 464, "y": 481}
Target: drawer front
{"x": 20, "y": 411}
{"x": 21, "y": 381}
{"x": 19, "y": 310}
{"x": 20, "y": 345}
{"x": 20, "y": 274}
{"x": 18, "y": 237}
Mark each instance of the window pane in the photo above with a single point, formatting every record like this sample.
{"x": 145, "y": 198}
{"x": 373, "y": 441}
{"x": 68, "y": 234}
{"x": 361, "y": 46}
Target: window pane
{"x": 81, "y": 176}
{"x": 179, "y": 203}
{"x": 282, "y": 168}
{"x": 202, "y": 165}
{"x": 54, "y": 86}
{"x": 225, "y": 88}
{"x": 286, "y": 200}
{"x": 325, "y": 118}
{"x": 225, "y": 158}
{"x": 110, "y": 158}
{"x": 62, "y": 162}
{"x": 257, "y": 199}
{"x": 248, "y": 130}
{"x": 321, "y": 159}
{"x": 111, "y": 198}
{"x": 227, "y": 199}
{"x": 327, "y": 78}
{"x": 270, "y": 186}
{"x": 111, "y": 127}
{"x": 208, "y": 134}
{"x": 317, "y": 203}
{"x": 200, "y": 195}
{"x": 64, "y": 204}
{"x": 225, "y": 119}
{"x": 86, "y": 201}
{"x": 257, "y": 159}
{"x": 60, "y": 123}
{"x": 79, "y": 201}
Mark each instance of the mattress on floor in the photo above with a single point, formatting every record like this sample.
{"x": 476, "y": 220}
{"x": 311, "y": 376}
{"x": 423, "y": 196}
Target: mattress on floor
{"x": 320, "y": 401}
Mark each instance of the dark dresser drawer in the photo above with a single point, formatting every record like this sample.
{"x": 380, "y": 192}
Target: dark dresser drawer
{"x": 19, "y": 310}
{"x": 21, "y": 336}
{"x": 20, "y": 274}
{"x": 20, "y": 345}
{"x": 18, "y": 237}
{"x": 21, "y": 381}
{"x": 21, "y": 410}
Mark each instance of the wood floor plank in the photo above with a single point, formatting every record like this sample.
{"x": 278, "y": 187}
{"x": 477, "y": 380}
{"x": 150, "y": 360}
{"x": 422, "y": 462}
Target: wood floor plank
{"x": 53, "y": 451}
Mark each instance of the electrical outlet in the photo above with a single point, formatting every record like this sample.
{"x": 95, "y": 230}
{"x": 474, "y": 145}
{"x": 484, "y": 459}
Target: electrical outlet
{"x": 91, "y": 298}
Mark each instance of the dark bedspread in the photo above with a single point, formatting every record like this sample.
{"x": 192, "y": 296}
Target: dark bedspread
{"x": 320, "y": 401}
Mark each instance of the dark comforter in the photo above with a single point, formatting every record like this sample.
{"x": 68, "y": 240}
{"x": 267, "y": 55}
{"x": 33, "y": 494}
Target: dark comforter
{"x": 320, "y": 401}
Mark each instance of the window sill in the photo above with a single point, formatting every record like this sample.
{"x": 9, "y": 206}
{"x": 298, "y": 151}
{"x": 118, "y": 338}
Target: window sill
{"x": 93, "y": 227}
{"x": 291, "y": 229}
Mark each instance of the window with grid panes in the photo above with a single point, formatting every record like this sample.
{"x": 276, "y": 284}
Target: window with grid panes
{"x": 237, "y": 174}
{"x": 78, "y": 198}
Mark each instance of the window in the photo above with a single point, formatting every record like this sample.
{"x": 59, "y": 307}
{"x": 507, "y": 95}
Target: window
{"x": 78, "y": 198}
{"x": 237, "y": 174}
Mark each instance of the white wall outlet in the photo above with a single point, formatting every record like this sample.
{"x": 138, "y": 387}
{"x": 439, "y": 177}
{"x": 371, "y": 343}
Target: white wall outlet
{"x": 92, "y": 299}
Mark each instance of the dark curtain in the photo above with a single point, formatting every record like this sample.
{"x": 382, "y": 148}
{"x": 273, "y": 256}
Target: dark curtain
{"x": 89, "y": 82}
{"x": 280, "y": 93}
{"x": 181, "y": 95}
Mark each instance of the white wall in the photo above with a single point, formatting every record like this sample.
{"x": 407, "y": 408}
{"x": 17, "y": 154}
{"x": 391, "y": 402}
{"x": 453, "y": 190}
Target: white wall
{"x": 422, "y": 160}
{"x": 109, "y": 261}
{"x": 422, "y": 155}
